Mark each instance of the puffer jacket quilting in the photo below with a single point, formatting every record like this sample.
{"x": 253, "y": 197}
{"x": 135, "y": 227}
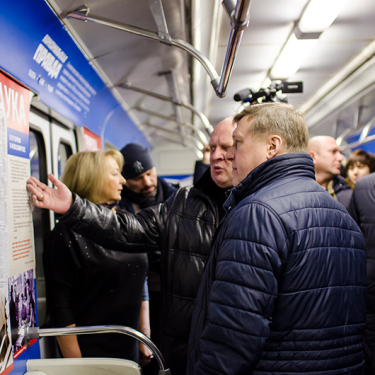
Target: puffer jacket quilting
{"x": 284, "y": 287}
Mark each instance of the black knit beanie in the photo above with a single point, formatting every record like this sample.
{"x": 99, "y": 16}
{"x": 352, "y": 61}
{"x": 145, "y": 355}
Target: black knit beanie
{"x": 137, "y": 160}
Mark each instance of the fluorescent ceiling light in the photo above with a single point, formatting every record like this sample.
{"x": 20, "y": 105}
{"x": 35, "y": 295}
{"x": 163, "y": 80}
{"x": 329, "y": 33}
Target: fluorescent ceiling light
{"x": 292, "y": 56}
{"x": 319, "y": 15}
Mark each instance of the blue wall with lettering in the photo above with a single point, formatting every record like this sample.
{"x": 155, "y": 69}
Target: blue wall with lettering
{"x": 39, "y": 52}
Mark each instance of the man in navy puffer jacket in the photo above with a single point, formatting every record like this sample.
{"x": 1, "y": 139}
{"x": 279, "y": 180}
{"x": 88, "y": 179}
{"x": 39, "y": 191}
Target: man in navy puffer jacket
{"x": 284, "y": 289}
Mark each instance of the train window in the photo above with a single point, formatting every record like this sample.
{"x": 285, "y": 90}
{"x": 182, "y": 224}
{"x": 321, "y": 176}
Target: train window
{"x": 38, "y": 168}
{"x": 64, "y": 152}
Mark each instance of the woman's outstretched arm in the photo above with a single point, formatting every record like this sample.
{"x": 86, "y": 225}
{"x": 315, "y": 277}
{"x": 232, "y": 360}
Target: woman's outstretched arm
{"x": 58, "y": 199}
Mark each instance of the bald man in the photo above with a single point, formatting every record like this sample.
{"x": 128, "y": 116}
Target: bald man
{"x": 327, "y": 160}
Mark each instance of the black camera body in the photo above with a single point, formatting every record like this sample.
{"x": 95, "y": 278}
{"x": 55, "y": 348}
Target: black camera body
{"x": 274, "y": 93}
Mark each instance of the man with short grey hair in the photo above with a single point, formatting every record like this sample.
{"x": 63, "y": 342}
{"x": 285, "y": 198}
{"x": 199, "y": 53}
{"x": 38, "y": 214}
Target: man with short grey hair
{"x": 284, "y": 288}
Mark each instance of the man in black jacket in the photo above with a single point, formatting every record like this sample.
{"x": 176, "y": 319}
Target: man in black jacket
{"x": 327, "y": 161}
{"x": 362, "y": 209}
{"x": 182, "y": 228}
{"x": 143, "y": 188}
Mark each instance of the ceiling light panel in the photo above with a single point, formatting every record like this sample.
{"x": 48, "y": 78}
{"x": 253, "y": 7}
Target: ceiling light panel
{"x": 292, "y": 56}
{"x": 320, "y": 14}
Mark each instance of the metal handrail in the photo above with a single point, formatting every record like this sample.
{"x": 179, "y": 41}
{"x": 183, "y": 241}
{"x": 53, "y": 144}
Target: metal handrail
{"x": 366, "y": 129}
{"x": 82, "y": 14}
{"x": 204, "y": 119}
{"x": 200, "y": 134}
{"x": 188, "y": 137}
{"x": 36, "y": 332}
{"x": 239, "y": 22}
{"x": 358, "y": 143}
{"x": 342, "y": 136}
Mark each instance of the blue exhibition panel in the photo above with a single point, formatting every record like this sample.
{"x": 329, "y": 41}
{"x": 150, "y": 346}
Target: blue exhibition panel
{"x": 40, "y": 53}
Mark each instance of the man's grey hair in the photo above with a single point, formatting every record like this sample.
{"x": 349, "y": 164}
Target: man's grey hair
{"x": 280, "y": 119}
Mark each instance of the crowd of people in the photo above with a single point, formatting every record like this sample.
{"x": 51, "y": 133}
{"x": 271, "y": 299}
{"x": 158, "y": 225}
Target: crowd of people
{"x": 258, "y": 268}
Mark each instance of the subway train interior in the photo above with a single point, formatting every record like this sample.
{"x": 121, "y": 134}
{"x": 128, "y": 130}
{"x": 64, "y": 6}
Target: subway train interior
{"x": 89, "y": 74}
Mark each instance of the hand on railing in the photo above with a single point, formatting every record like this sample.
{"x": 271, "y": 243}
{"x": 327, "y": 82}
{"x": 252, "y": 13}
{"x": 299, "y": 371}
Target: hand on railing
{"x": 145, "y": 355}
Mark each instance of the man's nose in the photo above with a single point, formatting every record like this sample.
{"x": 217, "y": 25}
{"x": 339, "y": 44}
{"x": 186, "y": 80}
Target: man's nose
{"x": 147, "y": 181}
{"x": 229, "y": 155}
{"x": 218, "y": 154}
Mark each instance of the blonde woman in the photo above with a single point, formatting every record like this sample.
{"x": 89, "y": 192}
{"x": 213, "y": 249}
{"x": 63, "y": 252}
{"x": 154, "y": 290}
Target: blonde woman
{"x": 88, "y": 284}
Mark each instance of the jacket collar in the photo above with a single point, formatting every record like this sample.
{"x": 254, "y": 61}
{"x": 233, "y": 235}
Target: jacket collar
{"x": 207, "y": 186}
{"x": 339, "y": 184}
{"x": 294, "y": 164}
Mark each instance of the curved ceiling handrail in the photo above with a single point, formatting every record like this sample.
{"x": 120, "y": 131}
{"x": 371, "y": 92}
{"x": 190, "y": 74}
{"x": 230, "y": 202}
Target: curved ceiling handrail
{"x": 366, "y": 129}
{"x": 239, "y": 22}
{"x": 342, "y": 136}
{"x": 203, "y": 118}
{"x": 356, "y": 144}
{"x": 363, "y": 138}
{"x": 201, "y": 135}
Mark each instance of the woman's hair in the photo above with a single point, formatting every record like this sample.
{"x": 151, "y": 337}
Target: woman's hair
{"x": 84, "y": 172}
{"x": 363, "y": 157}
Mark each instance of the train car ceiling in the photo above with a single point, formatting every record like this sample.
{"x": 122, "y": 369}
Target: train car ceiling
{"x": 168, "y": 94}
{"x": 40, "y": 54}
{"x": 338, "y": 74}
{"x": 148, "y": 67}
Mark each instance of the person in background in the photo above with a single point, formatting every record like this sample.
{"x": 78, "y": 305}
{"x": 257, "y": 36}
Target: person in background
{"x": 201, "y": 166}
{"x": 88, "y": 284}
{"x": 359, "y": 164}
{"x": 284, "y": 288}
{"x": 362, "y": 209}
{"x": 327, "y": 159}
{"x": 182, "y": 228}
{"x": 143, "y": 188}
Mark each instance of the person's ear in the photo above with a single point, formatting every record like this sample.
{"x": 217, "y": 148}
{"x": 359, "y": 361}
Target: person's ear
{"x": 274, "y": 146}
{"x": 312, "y": 154}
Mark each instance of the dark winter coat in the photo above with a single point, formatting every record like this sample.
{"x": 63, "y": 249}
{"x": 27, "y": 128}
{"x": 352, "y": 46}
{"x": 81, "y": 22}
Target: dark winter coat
{"x": 342, "y": 190}
{"x": 362, "y": 209}
{"x": 283, "y": 291}
{"x": 128, "y": 197}
{"x": 88, "y": 284}
{"x": 182, "y": 228}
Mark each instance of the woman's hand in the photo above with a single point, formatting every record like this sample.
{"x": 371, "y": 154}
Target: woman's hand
{"x": 145, "y": 355}
{"x": 58, "y": 200}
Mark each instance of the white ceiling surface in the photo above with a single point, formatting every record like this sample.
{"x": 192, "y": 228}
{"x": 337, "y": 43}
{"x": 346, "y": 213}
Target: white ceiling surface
{"x": 271, "y": 22}
{"x": 124, "y": 57}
